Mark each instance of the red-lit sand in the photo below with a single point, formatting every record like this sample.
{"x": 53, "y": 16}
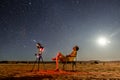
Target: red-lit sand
{"x": 51, "y": 74}
{"x": 83, "y": 71}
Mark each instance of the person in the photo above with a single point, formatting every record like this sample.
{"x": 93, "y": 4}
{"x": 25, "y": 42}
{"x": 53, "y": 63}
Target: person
{"x": 40, "y": 50}
{"x": 63, "y": 58}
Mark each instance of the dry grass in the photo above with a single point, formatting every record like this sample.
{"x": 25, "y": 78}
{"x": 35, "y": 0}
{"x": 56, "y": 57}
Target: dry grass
{"x": 83, "y": 71}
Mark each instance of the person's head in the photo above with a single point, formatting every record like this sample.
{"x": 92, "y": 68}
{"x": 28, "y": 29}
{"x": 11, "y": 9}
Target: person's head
{"x": 38, "y": 45}
{"x": 75, "y": 48}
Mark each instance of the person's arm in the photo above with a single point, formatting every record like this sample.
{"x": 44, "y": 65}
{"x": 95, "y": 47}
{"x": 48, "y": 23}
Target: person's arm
{"x": 68, "y": 55}
{"x": 73, "y": 54}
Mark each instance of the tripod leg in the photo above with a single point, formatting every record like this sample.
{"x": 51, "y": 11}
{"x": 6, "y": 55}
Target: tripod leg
{"x": 34, "y": 65}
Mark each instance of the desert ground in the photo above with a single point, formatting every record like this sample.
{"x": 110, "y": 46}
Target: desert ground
{"x": 82, "y": 71}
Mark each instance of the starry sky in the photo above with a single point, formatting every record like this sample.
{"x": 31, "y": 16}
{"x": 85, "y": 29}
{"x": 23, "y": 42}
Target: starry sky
{"x": 59, "y": 25}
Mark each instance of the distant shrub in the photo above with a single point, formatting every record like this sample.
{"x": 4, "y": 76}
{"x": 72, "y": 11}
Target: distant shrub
{"x": 96, "y": 62}
{"x": 80, "y": 62}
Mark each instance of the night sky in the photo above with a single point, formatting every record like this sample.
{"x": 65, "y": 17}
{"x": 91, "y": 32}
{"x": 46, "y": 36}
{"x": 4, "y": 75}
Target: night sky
{"x": 59, "y": 25}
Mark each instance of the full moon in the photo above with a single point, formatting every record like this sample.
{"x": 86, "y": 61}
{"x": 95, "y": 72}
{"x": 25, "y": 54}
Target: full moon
{"x": 103, "y": 41}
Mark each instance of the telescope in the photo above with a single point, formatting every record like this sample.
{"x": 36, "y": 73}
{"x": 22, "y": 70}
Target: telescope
{"x": 38, "y": 55}
{"x": 40, "y": 47}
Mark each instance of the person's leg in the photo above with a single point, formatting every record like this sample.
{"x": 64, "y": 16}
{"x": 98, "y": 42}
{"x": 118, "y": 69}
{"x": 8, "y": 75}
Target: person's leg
{"x": 58, "y": 56}
{"x": 57, "y": 64}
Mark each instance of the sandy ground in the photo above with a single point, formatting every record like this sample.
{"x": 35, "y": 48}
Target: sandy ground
{"x": 83, "y": 71}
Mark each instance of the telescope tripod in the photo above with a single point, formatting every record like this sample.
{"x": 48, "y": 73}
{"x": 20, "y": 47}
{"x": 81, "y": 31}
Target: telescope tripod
{"x": 37, "y": 61}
